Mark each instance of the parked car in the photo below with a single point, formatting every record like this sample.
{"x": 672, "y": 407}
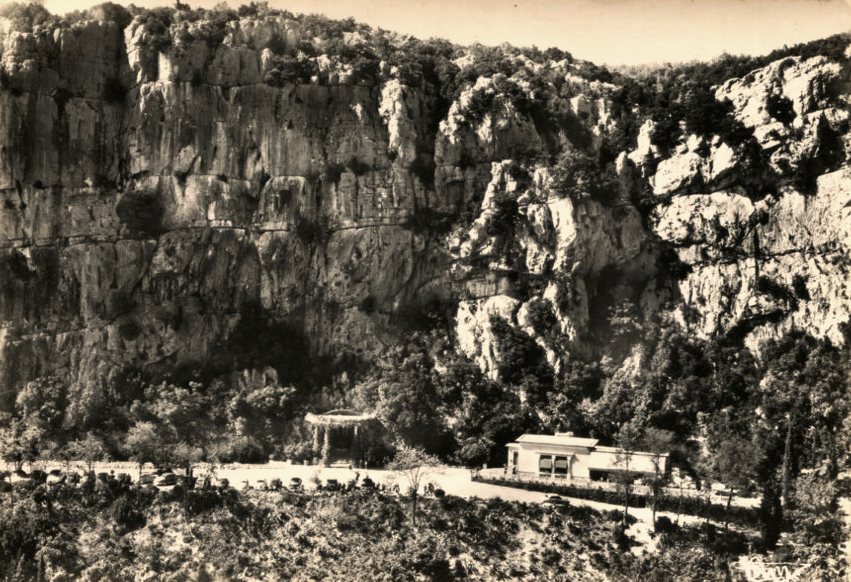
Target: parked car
{"x": 276, "y": 484}
{"x": 296, "y": 484}
{"x": 147, "y": 479}
{"x": 261, "y": 485}
{"x": 555, "y": 500}
{"x": 56, "y": 477}
{"x": 167, "y": 480}
{"x": 332, "y": 485}
{"x": 20, "y": 476}
{"x": 367, "y": 483}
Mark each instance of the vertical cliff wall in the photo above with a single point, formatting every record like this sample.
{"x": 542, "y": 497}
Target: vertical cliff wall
{"x": 160, "y": 200}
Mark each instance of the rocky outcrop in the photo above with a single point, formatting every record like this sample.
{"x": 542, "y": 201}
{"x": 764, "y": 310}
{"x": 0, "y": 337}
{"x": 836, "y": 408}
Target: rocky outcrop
{"x": 764, "y": 262}
{"x": 563, "y": 247}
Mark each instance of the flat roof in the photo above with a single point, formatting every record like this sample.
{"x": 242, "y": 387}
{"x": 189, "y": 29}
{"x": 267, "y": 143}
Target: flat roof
{"x": 340, "y": 417}
{"x": 616, "y": 450}
{"x": 557, "y": 440}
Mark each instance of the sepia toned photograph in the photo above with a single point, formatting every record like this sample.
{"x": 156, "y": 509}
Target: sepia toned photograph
{"x": 436, "y": 290}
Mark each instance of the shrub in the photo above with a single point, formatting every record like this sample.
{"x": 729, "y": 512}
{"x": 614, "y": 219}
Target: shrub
{"x": 799, "y": 284}
{"x": 277, "y": 45}
{"x": 579, "y": 175}
{"x": 125, "y": 515}
{"x": 197, "y": 501}
{"x": 310, "y": 231}
{"x": 242, "y": 450}
{"x": 24, "y": 17}
{"x": 290, "y": 70}
{"x": 521, "y": 358}
{"x": 664, "y": 524}
{"x": 111, "y": 12}
{"x": 780, "y": 108}
{"x": 480, "y": 104}
{"x": 777, "y": 291}
{"x": 542, "y": 318}
{"x": 365, "y": 69}
{"x": 157, "y": 24}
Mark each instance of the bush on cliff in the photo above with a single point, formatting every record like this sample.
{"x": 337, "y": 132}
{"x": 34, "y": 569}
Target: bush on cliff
{"x": 580, "y": 175}
{"x": 111, "y": 12}
{"x": 290, "y": 70}
{"x": 25, "y": 17}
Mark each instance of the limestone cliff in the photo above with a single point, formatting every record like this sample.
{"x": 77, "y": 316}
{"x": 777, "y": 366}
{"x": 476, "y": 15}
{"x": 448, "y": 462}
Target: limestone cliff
{"x": 161, "y": 199}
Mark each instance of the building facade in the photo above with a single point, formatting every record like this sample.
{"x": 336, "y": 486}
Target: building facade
{"x": 564, "y": 456}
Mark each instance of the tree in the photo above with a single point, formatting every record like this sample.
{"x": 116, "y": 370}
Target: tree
{"x": 42, "y": 403}
{"x": 185, "y": 455}
{"x": 579, "y": 175}
{"x": 658, "y": 442}
{"x": 414, "y": 464}
{"x": 735, "y": 464}
{"x": 25, "y": 16}
{"x": 403, "y": 392}
{"x": 89, "y": 449}
{"x": 628, "y": 441}
{"x": 143, "y": 444}
{"x": 19, "y": 443}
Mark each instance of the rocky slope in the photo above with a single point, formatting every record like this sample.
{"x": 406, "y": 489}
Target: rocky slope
{"x": 161, "y": 199}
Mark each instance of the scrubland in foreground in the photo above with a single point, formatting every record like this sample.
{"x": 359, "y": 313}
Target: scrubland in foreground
{"x": 113, "y": 531}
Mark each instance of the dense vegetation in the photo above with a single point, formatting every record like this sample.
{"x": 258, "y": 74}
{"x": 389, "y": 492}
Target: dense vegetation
{"x": 432, "y": 398}
{"x": 106, "y": 528}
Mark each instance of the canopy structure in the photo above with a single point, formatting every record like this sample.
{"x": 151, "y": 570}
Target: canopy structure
{"x": 345, "y": 436}
{"x": 339, "y": 417}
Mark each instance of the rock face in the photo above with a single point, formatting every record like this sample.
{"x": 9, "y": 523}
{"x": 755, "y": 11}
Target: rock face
{"x": 765, "y": 266}
{"x": 155, "y": 203}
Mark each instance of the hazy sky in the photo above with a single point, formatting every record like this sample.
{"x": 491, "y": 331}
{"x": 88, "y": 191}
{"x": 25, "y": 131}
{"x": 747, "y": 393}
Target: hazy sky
{"x": 604, "y": 31}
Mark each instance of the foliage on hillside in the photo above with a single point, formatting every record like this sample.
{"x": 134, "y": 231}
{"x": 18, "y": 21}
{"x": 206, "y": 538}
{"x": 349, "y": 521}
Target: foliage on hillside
{"x": 101, "y": 532}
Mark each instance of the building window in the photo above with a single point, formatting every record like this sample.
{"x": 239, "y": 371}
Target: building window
{"x": 545, "y": 465}
{"x": 561, "y": 467}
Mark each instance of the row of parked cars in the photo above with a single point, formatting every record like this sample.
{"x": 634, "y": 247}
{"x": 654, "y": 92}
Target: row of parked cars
{"x": 165, "y": 479}
{"x": 333, "y": 485}
{"x": 161, "y": 479}
{"x": 53, "y": 477}
{"x": 296, "y": 484}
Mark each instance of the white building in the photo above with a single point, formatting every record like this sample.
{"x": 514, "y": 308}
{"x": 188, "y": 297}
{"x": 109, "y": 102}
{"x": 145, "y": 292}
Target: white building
{"x": 564, "y": 456}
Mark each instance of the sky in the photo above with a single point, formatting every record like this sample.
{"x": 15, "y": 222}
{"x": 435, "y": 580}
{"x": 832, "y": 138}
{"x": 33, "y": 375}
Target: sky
{"x": 611, "y": 32}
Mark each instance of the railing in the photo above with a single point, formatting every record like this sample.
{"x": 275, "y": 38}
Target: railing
{"x": 671, "y": 492}
{"x": 670, "y": 499}
{"x": 498, "y": 473}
